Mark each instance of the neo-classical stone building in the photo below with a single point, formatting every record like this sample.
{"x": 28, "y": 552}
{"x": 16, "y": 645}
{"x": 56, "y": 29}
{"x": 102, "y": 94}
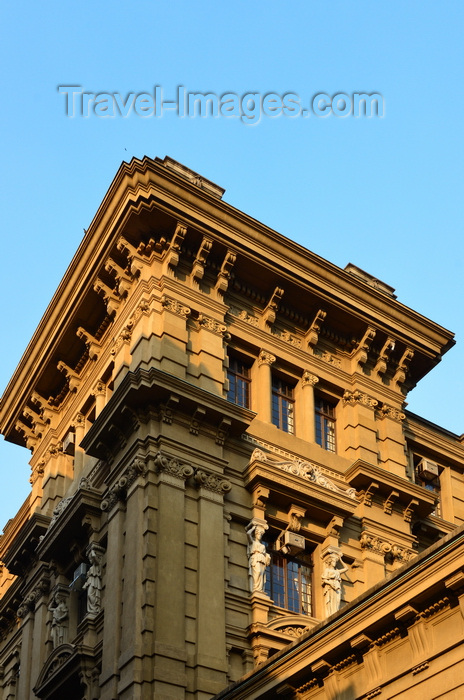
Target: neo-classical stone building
{"x": 226, "y": 485}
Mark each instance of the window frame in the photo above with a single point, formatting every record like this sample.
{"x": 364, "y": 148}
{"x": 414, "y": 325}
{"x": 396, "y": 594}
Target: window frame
{"x": 322, "y": 421}
{"x": 298, "y": 600}
{"x": 283, "y": 404}
{"x": 240, "y": 381}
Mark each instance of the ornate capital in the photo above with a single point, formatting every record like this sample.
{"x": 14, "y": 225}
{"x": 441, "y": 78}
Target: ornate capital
{"x": 173, "y": 467}
{"x": 210, "y": 324}
{"x": 118, "y": 491}
{"x": 58, "y": 510}
{"x": 265, "y": 358}
{"x": 30, "y": 600}
{"x": 309, "y": 379}
{"x": 175, "y": 307}
{"x": 358, "y": 397}
{"x": 386, "y": 411}
{"x": 212, "y": 482}
{"x": 99, "y": 389}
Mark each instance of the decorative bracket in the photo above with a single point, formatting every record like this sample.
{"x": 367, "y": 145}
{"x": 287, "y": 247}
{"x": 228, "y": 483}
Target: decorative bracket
{"x": 403, "y": 365}
{"x": 223, "y": 431}
{"x": 382, "y": 360}
{"x": 312, "y": 334}
{"x": 409, "y": 510}
{"x": 196, "y": 420}
{"x": 123, "y": 281}
{"x": 269, "y": 313}
{"x": 198, "y": 269}
{"x": 92, "y": 344}
{"x": 70, "y": 374}
{"x": 169, "y": 407}
{"x": 361, "y": 353}
{"x": 388, "y": 503}
{"x": 109, "y": 296}
{"x": 223, "y": 277}
{"x": 176, "y": 243}
{"x": 367, "y": 495}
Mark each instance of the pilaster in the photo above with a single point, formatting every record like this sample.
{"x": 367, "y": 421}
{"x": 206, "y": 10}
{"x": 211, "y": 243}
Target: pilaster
{"x": 392, "y": 455}
{"x": 358, "y": 421}
{"x": 169, "y": 672}
{"x": 211, "y": 662}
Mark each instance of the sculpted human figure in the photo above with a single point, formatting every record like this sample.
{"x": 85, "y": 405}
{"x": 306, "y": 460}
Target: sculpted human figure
{"x": 59, "y": 628}
{"x": 93, "y": 582}
{"x": 332, "y": 582}
{"x": 258, "y": 558}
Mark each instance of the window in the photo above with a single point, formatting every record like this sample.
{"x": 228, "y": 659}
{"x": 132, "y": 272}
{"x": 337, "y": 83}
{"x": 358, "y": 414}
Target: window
{"x": 325, "y": 424}
{"x": 238, "y": 375}
{"x": 288, "y": 583}
{"x": 283, "y": 413}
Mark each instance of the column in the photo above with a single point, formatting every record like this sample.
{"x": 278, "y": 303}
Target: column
{"x": 262, "y": 397}
{"x": 305, "y": 414}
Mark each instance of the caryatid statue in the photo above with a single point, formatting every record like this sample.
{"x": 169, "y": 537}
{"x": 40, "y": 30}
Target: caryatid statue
{"x": 332, "y": 580}
{"x": 258, "y": 558}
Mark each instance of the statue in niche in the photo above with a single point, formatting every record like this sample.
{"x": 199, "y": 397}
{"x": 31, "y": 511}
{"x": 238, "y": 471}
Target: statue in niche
{"x": 60, "y": 614}
{"x": 93, "y": 582}
{"x": 332, "y": 581}
{"x": 258, "y": 558}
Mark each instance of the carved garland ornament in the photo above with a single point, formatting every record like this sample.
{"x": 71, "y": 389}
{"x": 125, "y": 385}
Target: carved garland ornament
{"x": 306, "y": 470}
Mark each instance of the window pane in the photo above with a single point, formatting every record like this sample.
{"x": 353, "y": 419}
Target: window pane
{"x": 238, "y": 375}
{"x": 288, "y": 583}
{"x": 282, "y": 405}
{"x": 325, "y": 424}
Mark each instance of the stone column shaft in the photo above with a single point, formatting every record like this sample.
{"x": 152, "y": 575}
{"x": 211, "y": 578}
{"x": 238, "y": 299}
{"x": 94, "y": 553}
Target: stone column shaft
{"x": 263, "y": 398}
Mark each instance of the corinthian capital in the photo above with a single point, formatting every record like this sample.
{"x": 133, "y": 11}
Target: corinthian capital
{"x": 265, "y": 358}
{"x": 309, "y": 379}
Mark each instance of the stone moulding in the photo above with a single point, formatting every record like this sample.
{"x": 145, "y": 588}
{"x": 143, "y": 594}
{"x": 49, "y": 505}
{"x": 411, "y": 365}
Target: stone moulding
{"x": 306, "y": 470}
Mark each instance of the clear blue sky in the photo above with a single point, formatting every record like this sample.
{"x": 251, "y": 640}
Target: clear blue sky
{"x": 384, "y": 194}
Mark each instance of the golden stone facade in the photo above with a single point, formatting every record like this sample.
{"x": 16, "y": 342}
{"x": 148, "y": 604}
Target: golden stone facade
{"x": 227, "y": 487}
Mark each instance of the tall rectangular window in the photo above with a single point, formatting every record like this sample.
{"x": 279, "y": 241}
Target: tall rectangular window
{"x": 283, "y": 409}
{"x": 325, "y": 424}
{"x": 288, "y": 583}
{"x": 238, "y": 375}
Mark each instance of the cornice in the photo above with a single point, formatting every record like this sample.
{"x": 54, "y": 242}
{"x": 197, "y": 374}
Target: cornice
{"x": 151, "y": 184}
{"x": 22, "y": 550}
{"x": 142, "y": 388}
{"x": 372, "y": 481}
